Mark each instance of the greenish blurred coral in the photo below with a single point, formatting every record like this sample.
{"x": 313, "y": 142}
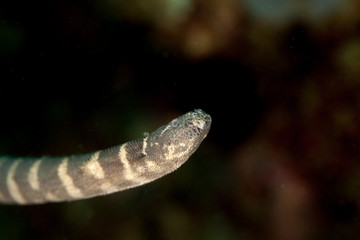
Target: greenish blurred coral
{"x": 11, "y": 38}
{"x": 348, "y": 59}
{"x": 152, "y": 12}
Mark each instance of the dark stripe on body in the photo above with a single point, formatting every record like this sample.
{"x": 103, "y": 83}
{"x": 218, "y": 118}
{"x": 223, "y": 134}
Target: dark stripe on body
{"x": 23, "y": 183}
{"x": 4, "y": 169}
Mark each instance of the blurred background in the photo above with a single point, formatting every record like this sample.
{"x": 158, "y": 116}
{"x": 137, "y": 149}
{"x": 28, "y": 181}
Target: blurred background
{"x": 280, "y": 78}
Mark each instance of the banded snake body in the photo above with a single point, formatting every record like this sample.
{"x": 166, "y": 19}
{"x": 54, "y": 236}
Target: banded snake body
{"x": 134, "y": 163}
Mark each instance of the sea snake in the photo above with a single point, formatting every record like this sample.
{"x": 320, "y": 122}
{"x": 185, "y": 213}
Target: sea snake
{"x": 134, "y": 163}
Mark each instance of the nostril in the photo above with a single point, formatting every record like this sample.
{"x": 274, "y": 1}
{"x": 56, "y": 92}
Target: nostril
{"x": 175, "y": 122}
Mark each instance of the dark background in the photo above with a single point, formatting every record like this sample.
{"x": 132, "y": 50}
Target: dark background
{"x": 281, "y": 80}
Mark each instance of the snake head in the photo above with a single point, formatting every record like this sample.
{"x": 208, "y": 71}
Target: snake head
{"x": 172, "y": 144}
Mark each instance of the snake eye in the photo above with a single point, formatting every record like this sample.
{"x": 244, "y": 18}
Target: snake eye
{"x": 175, "y": 122}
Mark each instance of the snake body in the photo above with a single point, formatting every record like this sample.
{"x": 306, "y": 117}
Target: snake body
{"x": 134, "y": 163}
